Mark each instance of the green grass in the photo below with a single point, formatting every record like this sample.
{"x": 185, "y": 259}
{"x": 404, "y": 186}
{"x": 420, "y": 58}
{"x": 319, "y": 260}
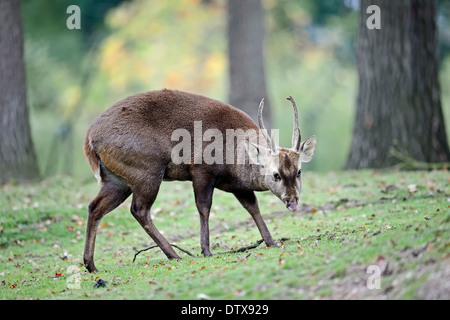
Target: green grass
{"x": 349, "y": 221}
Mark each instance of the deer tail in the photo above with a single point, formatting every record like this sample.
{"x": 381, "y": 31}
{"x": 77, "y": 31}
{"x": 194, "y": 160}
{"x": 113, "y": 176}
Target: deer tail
{"x": 92, "y": 157}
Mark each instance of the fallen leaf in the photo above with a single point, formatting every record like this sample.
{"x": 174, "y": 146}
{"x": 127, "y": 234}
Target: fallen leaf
{"x": 240, "y": 259}
{"x": 389, "y": 188}
{"x": 239, "y": 293}
{"x": 382, "y": 263}
{"x": 79, "y": 220}
{"x": 431, "y": 185}
{"x": 202, "y": 296}
{"x": 412, "y": 188}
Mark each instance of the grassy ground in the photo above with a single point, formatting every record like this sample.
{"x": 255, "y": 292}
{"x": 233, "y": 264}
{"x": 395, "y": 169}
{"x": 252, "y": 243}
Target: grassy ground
{"x": 352, "y": 227}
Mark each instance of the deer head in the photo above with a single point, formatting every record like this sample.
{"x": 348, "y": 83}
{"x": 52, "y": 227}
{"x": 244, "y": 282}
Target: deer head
{"x": 282, "y": 167}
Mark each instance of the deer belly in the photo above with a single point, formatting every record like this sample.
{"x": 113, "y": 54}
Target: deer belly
{"x": 177, "y": 172}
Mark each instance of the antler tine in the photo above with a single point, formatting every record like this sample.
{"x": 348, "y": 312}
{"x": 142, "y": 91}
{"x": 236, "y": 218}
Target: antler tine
{"x": 261, "y": 124}
{"x": 296, "y": 134}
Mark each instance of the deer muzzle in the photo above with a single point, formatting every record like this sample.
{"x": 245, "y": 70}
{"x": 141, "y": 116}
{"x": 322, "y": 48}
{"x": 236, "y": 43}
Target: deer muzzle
{"x": 292, "y": 205}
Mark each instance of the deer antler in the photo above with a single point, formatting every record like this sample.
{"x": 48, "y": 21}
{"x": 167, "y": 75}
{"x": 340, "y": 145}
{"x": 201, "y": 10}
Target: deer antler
{"x": 296, "y": 134}
{"x": 270, "y": 142}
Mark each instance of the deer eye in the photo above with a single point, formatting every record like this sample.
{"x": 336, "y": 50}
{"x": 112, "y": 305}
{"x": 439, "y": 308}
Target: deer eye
{"x": 299, "y": 173}
{"x": 276, "y": 176}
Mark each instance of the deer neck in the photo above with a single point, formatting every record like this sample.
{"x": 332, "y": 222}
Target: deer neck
{"x": 251, "y": 177}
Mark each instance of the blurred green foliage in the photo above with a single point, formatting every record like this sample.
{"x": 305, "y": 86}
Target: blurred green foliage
{"x": 126, "y": 47}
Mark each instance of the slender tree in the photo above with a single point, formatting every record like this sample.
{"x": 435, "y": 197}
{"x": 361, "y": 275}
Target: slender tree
{"x": 246, "y": 58}
{"x": 17, "y": 156}
{"x": 398, "y": 103}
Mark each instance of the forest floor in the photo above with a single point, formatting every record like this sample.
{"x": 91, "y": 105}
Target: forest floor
{"x": 357, "y": 235}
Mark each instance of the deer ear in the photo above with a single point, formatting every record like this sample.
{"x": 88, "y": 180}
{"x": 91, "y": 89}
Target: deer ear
{"x": 256, "y": 153}
{"x": 307, "y": 149}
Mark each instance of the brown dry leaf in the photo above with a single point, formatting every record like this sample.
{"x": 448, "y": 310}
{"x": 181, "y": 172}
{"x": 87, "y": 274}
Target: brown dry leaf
{"x": 431, "y": 185}
{"x": 382, "y": 263}
{"x": 78, "y": 220}
{"x": 334, "y": 190}
{"x": 240, "y": 259}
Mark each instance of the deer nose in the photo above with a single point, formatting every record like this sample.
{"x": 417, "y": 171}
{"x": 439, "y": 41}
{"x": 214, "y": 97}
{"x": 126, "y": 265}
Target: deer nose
{"x": 292, "y": 205}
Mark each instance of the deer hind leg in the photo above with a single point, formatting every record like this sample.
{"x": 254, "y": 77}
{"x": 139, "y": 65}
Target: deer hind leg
{"x": 140, "y": 209}
{"x": 250, "y": 203}
{"x": 203, "y": 191}
{"x": 111, "y": 195}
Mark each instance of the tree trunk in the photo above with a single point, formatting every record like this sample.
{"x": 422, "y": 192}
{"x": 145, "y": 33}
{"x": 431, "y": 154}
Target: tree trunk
{"x": 398, "y": 103}
{"x": 245, "y": 57}
{"x": 17, "y": 157}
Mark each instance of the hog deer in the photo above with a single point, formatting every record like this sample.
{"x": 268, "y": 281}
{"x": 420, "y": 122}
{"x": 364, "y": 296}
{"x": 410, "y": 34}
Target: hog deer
{"x": 129, "y": 148}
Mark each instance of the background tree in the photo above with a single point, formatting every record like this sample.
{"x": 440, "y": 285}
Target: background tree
{"x": 245, "y": 57}
{"x": 398, "y": 103}
{"x": 17, "y": 157}
{"x": 134, "y": 46}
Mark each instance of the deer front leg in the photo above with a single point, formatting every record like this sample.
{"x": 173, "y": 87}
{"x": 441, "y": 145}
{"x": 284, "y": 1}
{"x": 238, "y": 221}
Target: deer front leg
{"x": 250, "y": 203}
{"x": 203, "y": 190}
